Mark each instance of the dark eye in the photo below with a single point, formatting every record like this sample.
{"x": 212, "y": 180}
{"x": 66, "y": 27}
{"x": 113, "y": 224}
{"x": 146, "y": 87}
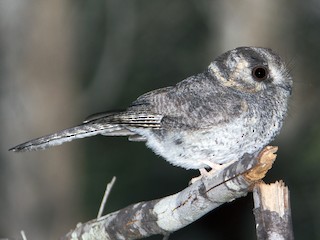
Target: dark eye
{"x": 260, "y": 73}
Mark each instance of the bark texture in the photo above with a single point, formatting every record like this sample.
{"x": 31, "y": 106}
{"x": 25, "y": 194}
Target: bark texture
{"x": 272, "y": 211}
{"x": 168, "y": 214}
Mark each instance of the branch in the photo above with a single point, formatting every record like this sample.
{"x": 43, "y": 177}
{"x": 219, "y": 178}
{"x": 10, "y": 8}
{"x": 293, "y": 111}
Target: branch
{"x": 105, "y": 197}
{"x": 23, "y": 235}
{"x": 272, "y": 211}
{"x": 168, "y": 214}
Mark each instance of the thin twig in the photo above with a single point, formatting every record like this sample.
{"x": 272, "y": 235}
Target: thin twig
{"x": 23, "y": 235}
{"x": 105, "y": 197}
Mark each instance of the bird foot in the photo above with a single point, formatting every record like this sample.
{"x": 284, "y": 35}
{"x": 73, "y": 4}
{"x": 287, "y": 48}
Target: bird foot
{"x": 215, "y": 169}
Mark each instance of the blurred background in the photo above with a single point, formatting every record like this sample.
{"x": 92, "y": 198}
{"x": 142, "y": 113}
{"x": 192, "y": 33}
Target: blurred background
{"x": 61, "y": 61}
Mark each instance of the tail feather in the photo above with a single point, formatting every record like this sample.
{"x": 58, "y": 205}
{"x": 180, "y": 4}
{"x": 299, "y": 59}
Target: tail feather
{"x": 107, "y": 124}
{"x": 67, "y": 135}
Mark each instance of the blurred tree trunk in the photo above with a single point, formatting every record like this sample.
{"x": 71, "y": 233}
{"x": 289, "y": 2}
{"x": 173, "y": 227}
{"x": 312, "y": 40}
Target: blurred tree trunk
{"x": 38, "y": 192}
{"x": 249, "y": 23}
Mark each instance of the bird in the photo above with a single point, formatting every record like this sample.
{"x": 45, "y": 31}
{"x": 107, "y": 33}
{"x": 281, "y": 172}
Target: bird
{"x": 236, "y": 106}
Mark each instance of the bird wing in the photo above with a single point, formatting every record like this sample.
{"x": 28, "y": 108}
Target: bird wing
{"x": 198, "y": 102}
{"x": 195, "y": 103}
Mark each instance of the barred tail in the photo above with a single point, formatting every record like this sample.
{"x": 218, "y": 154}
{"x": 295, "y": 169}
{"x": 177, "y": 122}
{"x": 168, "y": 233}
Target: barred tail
{"x": 67, "y": 135}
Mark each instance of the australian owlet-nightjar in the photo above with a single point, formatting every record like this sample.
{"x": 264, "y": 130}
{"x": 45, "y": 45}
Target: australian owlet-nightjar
{"x": 236, "y": 106}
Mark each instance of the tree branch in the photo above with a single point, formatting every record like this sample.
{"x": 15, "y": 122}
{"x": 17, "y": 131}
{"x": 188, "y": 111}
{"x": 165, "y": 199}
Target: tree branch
{"x": 105, "y": 197}
{"x": 168, "y": 214}
{"x": 272, "y": 211}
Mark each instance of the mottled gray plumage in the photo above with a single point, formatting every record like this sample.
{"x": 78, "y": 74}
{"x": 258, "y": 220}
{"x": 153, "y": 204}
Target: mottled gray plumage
{"x": 236, "y": 106}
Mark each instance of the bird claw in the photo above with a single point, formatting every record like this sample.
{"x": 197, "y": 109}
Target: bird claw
{"x": 215, "y": 169}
